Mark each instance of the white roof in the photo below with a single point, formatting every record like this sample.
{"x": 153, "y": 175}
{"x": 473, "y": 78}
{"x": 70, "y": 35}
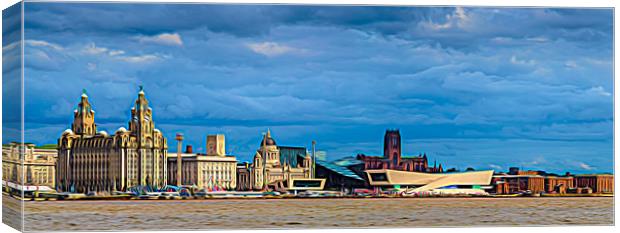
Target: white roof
{"x": 27, "y": 187}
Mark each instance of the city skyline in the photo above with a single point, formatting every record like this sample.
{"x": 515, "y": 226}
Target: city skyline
{"x": 460, "y": 87}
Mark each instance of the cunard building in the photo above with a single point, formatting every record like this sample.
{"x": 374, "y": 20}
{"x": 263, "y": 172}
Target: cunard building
{"x": 91, "y": 160}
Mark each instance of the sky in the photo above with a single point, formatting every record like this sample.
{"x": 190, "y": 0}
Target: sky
{"x": 488, "y": 88}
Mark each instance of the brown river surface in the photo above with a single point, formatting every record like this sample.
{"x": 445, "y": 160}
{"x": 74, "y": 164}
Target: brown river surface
{"x": 312, "y": 213}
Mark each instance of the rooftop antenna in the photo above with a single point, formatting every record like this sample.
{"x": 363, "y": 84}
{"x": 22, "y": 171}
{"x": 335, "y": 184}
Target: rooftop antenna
{"x": 179, "y": 138}
{"x": 313, "y": 171}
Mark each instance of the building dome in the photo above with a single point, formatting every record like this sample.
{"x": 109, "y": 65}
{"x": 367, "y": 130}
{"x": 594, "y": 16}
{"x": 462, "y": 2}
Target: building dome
{"x": 67, "y": 131}
{"x": 121, "y": 129}
{"x": 267, "y": 140}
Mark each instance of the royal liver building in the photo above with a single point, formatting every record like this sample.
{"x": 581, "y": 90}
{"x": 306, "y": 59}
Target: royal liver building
{"x": 96, "y": 161}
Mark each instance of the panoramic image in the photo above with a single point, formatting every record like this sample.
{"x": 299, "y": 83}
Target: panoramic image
{"x": 210, "y": 116}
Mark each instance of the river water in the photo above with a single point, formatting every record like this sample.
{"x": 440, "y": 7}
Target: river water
{"x": 314, "y": 213}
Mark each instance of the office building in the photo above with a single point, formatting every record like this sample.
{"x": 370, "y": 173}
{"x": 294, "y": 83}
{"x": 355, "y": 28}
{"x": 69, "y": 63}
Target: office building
{"x": 37, "y": 170}
{"x": 95, "y": 161}
{"x": 440, "y": 183}
{"x": 213, "y": 171}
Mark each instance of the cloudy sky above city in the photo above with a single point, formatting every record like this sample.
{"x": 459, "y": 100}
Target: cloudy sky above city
{"x": 470, "y": 87}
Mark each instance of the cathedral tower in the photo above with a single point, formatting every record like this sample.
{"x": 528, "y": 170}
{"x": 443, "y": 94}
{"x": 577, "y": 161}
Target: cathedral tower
{"x": 391, "y": 148}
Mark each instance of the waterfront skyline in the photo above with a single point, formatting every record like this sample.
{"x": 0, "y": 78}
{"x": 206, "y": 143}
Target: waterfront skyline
{"x": 458, "y": 85}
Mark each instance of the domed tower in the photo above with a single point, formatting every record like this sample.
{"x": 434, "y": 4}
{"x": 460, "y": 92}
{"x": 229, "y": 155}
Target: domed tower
{"x": 84, "y": 118}
{"x": 141, "y": 122}
{"x": 151, "y": 145}
{"x": 270, "y": 149}
{"x": 266, "y": 159}
{"x": 268, "y": 140}
{"x": 307, "y": 161}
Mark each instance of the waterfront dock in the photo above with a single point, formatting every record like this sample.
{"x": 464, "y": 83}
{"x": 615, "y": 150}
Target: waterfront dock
{"x": 259, "y": 195}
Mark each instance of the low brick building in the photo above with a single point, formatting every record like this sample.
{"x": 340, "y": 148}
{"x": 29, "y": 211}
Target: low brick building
{"x": 509, "y": 184}
{"x": 558, "y": 184}
{"x": 599, "y": 183}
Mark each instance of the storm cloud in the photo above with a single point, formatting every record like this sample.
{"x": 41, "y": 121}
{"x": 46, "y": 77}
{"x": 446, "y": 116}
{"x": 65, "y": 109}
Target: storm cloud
{"x": 468, "y": 86}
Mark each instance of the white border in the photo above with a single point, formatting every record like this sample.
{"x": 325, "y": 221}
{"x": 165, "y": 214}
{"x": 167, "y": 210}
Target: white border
{"x": 543, "y": 3}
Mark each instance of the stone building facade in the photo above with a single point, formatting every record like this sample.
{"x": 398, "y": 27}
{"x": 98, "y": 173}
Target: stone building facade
{"x": 212, "y": 171}
{"x": 268, "y": 170}
{"x": 244, "y": 176}
{"x": 91, "y": 160}
{"x": 36, "y": 169}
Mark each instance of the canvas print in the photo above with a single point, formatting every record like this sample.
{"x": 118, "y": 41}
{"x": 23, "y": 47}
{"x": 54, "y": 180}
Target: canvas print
{"x": 161, "y": 116}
